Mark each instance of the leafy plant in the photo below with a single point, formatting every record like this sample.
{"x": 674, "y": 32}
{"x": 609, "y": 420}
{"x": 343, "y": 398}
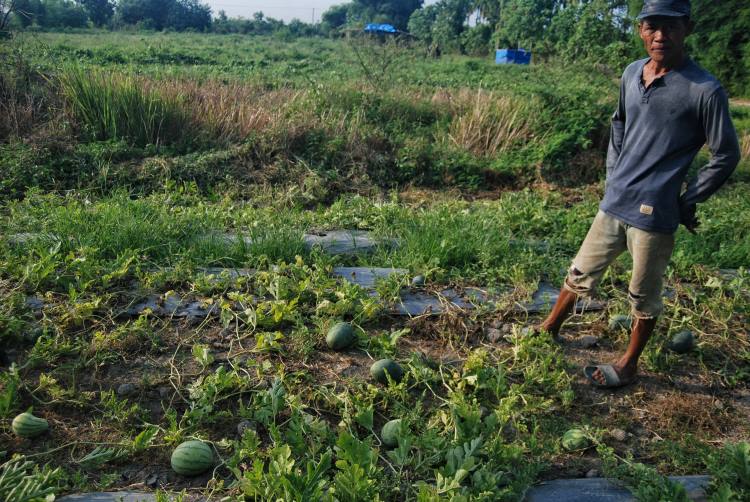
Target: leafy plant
{"x": 283, "y": 480}
{"x": 357, "y": 469}
{"x": 9, "y": 384}
{"x": 643, "y": 481}
{"x": 102, "y": 455}
{"x": 23, "y": 481}
{"x": 730, "y": 467}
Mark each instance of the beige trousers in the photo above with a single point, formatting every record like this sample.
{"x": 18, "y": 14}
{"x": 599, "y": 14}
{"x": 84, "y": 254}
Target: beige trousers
{"x": 609, "y": 237}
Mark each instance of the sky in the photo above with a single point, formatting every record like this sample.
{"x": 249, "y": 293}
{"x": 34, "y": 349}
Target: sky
{"x": 279, "y": 9}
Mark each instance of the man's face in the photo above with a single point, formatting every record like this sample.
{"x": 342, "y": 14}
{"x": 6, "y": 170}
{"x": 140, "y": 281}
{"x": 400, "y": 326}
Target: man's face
{"x": 664, "y": 37}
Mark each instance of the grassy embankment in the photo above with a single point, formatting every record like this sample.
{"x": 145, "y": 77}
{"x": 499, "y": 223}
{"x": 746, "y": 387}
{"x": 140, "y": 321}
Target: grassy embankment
{"x": 123, "y": 152}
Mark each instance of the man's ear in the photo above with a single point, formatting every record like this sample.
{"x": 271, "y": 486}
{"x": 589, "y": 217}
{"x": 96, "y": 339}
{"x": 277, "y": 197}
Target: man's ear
{"x": 640, "y": 30}
{"x": 689, "y": 26}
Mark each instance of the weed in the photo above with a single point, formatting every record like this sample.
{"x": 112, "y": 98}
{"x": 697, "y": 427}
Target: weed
{"x": 645, "y": 483}
{"x": 731, "y": 469}
{"x": 9, "y": 383}
{"x": 22, "y": 480}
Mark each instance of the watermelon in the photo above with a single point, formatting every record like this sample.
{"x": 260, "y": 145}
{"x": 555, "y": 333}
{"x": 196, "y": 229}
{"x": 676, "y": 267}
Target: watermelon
{"x": 418, "y": 281}
{"x": 384, "y": 367}
{"x": 575, "y": 439}
{"x": 340, "y": 336}
{"x": 192, "y": 458}
{"x": 682, "y": 342}
{"x": 391, "y": 432}
{"x": 27, "y": 425}
{"x": 620, "y": 322}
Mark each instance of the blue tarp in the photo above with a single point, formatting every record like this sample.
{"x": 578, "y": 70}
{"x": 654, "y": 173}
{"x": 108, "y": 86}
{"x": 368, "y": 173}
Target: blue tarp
{"x": 380, "y": 28}
{"x": 512, "y": 56}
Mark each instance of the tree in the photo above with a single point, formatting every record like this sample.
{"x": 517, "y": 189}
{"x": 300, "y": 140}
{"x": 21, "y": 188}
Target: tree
{"x": 450, "y": 23}
{"x": 442, "y": 24}
{"x": 721, "y": 41}
{"x": 159, "y": 14}
{"x": 7, "y": 8}
{"x": 189, "y": 14}
{"x": 64, "y": 14}
{"x": 28, "y": 12}
{"x": 489, "y": 10}
{"x": 421, "y": 22}
{"x": 335, "y": 17}
{"x": 476, "y": 40}
{"x": 591, "y": 31}
{"x": 395, "y": 12}
{"x": 150, "y": 13}
{"x": 99, "y": 11}
{"x": 524, "y": 22}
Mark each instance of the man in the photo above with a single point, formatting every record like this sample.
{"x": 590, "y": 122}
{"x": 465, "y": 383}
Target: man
{"x": 669, "y": 107}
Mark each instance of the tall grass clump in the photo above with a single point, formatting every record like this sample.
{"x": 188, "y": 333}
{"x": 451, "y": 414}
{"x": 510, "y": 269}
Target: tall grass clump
{"x": 487, "y": 124}
{"x": 745, "y": 146}
{"x": 25, "y": 100}
{"x": 119, "y": 106}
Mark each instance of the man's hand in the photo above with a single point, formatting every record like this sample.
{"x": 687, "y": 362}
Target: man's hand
{"x": 688, "y": 218}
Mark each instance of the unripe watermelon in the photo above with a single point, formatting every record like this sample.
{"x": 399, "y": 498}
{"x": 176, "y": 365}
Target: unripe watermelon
{"x": 575, "y": 439}
{"x": 390, "y": 433}
{"x": 682, "y": 342}
{"x": 341, "y": 336}
{"x": 620, "y": 322}
{"x": 27, "y": 425}
{"x": 390, "y": 367}
{"x": 418, "y": 281}
{"x": 192, "y": 458}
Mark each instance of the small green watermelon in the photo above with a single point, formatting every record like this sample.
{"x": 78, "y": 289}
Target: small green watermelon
{"x": 390, "y": 367}
{"x": 575, "y": 439}
{"x": 682, "y": 342}
{"x": 27, "y": 425}
{"x": 620, "y": 322}
{"x": 192, "y": 458}
{"x": 340, "y": 336}
{"x": 390, "y": 433}
{"x": 418, "y": 281}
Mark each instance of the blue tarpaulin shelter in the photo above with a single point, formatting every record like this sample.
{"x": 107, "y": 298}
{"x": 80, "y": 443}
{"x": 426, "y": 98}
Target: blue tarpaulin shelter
{"x": 512, "y": 56}
{"x": 380, "y": 28}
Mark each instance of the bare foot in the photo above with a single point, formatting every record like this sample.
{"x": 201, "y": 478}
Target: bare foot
{"x": 539, "y": 329}
{"x": 552, "y": 330}
{"x": 626, "y": 370}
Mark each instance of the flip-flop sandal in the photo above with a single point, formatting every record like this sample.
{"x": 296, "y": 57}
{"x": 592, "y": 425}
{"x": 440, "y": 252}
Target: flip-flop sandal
{"x": 612, "y": 379}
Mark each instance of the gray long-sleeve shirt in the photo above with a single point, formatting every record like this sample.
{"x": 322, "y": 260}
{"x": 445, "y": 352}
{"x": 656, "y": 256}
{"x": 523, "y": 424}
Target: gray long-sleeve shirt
{"x": 656, "y": 133}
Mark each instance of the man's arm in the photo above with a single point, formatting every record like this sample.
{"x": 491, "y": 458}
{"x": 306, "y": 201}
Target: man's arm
{"x": 617, "y": 131}
{"x": 721, "y": 139}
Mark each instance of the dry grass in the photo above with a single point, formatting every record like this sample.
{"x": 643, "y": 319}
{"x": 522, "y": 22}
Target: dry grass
{"x": 17, "y": 114}
{"x": 685, "y": 413}
{"x": 233, "y": 112}
{"x": 745, "y": 146}
{"x": 23, "y": 104}
{"x": 485, "y": 123}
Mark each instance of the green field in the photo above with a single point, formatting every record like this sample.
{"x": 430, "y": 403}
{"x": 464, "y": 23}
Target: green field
{"x": 126, "y": 159}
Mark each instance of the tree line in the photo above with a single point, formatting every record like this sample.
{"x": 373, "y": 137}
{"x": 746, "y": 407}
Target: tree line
{"x": 598, "y": 31}
{"x": 177, "y": 15}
